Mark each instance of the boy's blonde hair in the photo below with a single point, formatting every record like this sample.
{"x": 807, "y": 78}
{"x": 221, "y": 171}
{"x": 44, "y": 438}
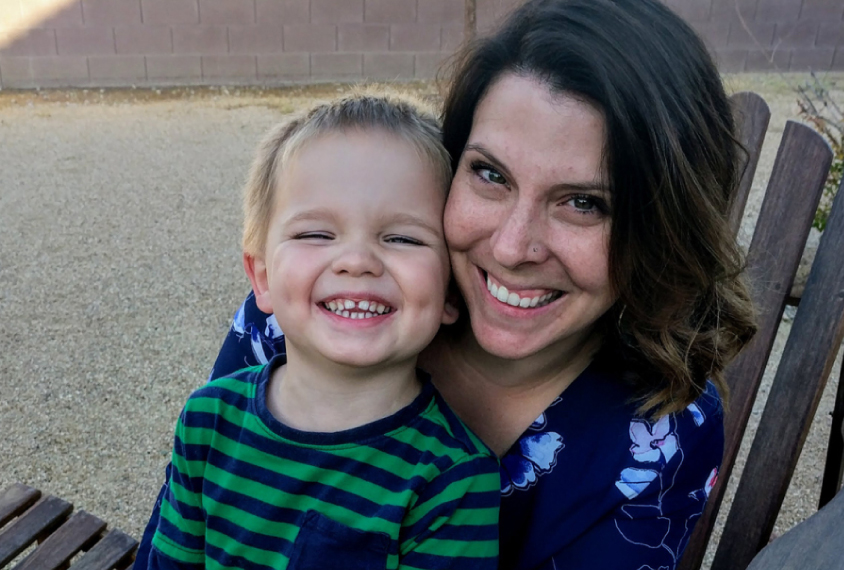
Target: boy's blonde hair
{"x": 390, "y": 113}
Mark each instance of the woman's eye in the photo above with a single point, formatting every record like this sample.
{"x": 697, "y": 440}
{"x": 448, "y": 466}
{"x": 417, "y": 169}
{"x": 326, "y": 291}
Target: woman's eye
{"x": 403, "y": 240}
{"x": 587, "y": 205}
{"x": 488, "y": 173}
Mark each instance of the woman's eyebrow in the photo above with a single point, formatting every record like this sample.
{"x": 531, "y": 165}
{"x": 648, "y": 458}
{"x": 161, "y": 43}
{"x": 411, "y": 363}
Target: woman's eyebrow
{"x": 480, "y": 149}
{"x": 568, "y": 186}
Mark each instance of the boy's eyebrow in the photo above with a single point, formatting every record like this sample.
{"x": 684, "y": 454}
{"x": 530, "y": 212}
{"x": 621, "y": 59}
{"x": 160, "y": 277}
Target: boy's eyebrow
{"x": 400, "y": 218}
{"x": 575, "y": 186}
{"x": 314, "y": 214}
{"x": 411, "y": 220}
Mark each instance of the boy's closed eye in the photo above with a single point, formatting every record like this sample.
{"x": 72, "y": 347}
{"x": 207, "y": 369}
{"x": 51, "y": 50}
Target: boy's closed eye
{"x": 314, "y": 235}
{"x": 403, "y": 240}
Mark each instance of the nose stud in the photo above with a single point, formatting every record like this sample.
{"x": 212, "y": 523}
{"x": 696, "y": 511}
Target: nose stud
{"x": 535, "y": 249}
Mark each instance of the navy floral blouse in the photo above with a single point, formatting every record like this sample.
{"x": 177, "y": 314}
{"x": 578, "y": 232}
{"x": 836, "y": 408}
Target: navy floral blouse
{"x": 590, "y": 484}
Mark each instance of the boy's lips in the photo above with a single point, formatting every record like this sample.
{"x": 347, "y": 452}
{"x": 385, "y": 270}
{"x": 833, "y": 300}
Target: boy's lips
{"x": 356, "y": 309}
{"x": 522, "y": 298}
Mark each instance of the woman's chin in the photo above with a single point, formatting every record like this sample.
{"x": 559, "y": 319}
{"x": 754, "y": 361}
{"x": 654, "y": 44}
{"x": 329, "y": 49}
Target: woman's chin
{"x": 506, "y": 345}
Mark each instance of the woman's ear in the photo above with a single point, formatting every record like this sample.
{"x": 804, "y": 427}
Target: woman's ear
{"x": 256, "y": 270}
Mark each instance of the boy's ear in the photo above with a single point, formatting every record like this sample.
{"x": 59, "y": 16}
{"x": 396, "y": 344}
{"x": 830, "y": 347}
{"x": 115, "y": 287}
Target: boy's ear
{"x": 451, "y": 309}
{"x": 450, "y": 313}
{"x": 256, "y": 270}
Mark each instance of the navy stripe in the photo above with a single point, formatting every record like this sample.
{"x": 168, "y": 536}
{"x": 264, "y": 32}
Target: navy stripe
{"x": 460, "y": 472}
{"x": 416, "y": 456}
{"x": 225, "y": 559}
{"x": 249, "y": 538}
{"x": 257, "y": 507}
{"x": 161, "y": 561}
{"x": 215, "y": 391}
{"x": 186, "y": 541}
{"x": 467, "y": 533}
{"x": 435, "y": 430}
{"x": 423, "y": 525}
{"x": 433, "y": 562}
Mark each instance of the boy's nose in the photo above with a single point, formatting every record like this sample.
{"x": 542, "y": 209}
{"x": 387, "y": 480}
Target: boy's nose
{"x": 357, "y": 260}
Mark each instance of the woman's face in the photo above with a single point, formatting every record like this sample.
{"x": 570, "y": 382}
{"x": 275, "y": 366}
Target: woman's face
{"x": 528, "y": 220}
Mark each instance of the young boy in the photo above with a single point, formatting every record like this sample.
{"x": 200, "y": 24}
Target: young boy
{"x": 339, "y": 454}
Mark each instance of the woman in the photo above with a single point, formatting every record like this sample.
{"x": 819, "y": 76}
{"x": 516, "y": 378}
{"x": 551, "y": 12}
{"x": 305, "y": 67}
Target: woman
{"x": 594, "y": 164}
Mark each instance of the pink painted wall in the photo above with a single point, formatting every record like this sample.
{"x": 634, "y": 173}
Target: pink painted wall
{"x": 48, "y": 43}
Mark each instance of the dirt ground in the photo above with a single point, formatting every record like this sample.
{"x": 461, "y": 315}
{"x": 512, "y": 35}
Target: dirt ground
{"x": 120, "y": 269}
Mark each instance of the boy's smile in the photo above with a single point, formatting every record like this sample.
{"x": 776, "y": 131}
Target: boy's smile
{"x": 356, "y": 267}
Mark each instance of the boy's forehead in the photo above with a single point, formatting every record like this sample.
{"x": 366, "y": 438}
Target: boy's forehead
{"x": 348, "y": 166}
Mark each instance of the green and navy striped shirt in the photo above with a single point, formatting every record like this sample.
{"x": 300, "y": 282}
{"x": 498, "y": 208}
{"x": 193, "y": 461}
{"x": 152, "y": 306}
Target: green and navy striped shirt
{"x": 413, "y": 490}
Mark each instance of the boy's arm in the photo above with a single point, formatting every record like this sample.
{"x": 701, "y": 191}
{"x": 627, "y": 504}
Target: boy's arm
{"x": 179, "y": 540}
{"x": 454, "y": 523}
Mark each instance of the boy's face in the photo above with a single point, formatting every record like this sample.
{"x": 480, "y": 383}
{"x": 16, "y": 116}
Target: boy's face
{"x": 355, "y": 267}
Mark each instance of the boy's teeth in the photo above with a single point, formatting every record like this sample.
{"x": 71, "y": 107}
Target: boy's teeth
{"x": 356, "y": 309}
{"x": 501, "y": 293}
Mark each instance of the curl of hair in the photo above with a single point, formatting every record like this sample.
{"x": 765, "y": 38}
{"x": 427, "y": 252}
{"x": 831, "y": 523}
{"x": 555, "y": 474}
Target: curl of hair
{"x": 672, "y": 161}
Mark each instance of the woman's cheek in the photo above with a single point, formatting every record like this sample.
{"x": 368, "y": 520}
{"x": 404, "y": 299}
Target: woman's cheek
{"x": 463, "y": 216}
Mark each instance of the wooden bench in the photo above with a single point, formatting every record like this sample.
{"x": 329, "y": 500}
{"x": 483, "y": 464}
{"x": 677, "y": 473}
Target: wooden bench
{"x": 27, "y": 517}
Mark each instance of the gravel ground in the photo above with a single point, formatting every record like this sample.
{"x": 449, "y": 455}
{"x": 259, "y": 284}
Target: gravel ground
{"x": 120, "y": 269}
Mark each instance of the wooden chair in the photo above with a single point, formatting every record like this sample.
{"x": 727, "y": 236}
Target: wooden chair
{"x": 792, "y": 196}
{"x": 60, "y": 535}
{"x": 814, "y": 544}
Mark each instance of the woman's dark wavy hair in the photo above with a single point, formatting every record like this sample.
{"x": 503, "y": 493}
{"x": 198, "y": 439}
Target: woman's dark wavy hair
{"x": 673, "y": 166}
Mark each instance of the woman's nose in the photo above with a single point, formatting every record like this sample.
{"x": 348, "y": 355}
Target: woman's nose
{"x": 517, "y": 239}
{"x": 358, "y": 259}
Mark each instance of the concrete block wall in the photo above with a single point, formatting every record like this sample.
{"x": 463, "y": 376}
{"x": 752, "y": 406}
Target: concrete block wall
{"x": 49, "y": 43}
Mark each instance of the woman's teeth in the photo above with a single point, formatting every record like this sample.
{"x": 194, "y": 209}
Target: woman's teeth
{"x": 356, "y": 309}
{"x": 501, "y": 293}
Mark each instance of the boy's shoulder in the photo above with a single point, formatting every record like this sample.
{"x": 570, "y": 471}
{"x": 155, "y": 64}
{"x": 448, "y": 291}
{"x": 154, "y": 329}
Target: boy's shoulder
{"x": 440, "y": 422}
{"x": 237, "y": 386}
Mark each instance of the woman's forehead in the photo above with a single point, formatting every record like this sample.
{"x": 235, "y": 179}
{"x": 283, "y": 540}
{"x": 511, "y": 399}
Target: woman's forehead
{"x": 531, "y": 129}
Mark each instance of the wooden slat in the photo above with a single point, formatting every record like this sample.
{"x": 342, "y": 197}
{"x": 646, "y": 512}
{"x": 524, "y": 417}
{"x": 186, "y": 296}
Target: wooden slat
{"x": 113, "y": 549}
{"x": 793, "y": 193}
{"x": 79, "y": 532}
{"x": 814, "y": 544}
{"x": 45, "y": 515}
{"x": 833, "y": 472}
{"x": 16, "y": 499}
{"x": 802, "y": 373}
{"x": 752, "y": 116}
